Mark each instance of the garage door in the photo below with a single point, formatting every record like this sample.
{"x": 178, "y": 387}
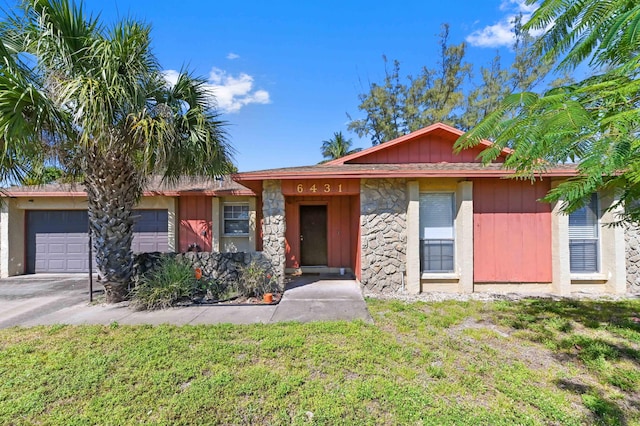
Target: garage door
{"x": 57, "y": 240}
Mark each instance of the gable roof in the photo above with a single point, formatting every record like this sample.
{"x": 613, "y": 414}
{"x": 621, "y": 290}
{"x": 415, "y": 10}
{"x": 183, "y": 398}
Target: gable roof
{"x": 385, "y": 161}
{"x": 437, "y": 129}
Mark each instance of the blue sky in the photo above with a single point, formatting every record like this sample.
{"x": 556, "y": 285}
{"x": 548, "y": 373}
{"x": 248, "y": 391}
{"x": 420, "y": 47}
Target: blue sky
{"x": 286, "y": 72}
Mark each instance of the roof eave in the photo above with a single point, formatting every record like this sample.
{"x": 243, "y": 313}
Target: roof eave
{"x": 76, "y": 194}
{"x": 395, "y": 174}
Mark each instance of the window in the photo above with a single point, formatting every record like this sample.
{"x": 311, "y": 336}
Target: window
{"x": 436, "y": 232}
{"x": 583, "y": 238}
{"x": 236, "y": 219}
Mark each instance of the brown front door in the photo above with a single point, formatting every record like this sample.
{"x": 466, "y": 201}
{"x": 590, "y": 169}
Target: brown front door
{"x": 313, "y": 235}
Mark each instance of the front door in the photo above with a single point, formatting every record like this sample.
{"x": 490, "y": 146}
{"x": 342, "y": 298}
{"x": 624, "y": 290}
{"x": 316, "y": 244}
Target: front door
{"x": 313, "y": 235}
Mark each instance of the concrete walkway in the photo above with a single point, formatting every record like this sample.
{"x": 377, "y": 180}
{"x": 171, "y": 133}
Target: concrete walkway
{"x": 307, "y": 298}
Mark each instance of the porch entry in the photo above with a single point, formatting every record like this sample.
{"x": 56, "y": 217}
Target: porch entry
{"x": 313, "y": 235}
{"x": 322, "y": 230}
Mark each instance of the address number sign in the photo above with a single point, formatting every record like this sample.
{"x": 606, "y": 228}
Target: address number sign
{"x": 321, "y": 187}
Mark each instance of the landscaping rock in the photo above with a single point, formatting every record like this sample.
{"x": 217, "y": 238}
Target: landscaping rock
{"x": 222, "y": 267}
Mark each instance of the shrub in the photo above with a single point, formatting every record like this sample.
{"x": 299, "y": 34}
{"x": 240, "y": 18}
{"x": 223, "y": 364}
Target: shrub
{"x": 212, "y": 289}
{"x": 255, "y": 280}
{"x": 163, "y": 286}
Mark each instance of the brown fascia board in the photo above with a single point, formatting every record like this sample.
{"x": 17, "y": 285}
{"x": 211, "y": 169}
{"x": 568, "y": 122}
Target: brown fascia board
{"x": 396, "y": 174}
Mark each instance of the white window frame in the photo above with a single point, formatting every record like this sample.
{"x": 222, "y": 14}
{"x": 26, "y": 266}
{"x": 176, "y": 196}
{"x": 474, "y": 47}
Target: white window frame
{"x": 422, "y": 238}
{"x": 225, "y": 219}
{"x": 598, "y": 241}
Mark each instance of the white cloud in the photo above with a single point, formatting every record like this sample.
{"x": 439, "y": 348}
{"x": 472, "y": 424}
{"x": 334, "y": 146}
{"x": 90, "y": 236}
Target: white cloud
{"x": 231, "y": 92}
{"x": 501, "y": 33}
{"x": 231, "y": 56}
{"x": 171, "y": 76}
{"x": 496, "y": 35}
{"x": 234, "y": 92}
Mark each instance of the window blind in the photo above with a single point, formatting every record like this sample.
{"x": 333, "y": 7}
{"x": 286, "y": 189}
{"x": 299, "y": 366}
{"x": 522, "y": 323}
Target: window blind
{"x": 584, "y": 238}
{"x": 583, "y": 223}
{"x": 436, "y": 216}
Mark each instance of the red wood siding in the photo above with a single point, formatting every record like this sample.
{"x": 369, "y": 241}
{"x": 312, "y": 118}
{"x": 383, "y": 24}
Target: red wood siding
{"x": 342, "y": 232}
{"x": 511, "y": 231}
{"x": 195, "y": 222}
{"x": 429, "y": 148}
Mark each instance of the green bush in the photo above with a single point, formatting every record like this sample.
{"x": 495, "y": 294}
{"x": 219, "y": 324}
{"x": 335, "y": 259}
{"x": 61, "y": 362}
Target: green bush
{"x": 255, "y": 280}
{"x": 214, "y": 290}
{"x": 163, "y": 286}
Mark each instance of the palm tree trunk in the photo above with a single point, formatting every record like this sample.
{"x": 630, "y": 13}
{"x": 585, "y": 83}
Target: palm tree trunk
{"x": 113, "y": 189}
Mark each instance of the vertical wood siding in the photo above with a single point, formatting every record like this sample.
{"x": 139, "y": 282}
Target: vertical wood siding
{"x": 511, "y": 231}
{"x": 342, "y": 232}
{"x": 430, "y": 148}
{"x": 195, "y": 220}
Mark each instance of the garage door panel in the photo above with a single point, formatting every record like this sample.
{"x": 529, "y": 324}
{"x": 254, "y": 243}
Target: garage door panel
{"x": 151, "y": 231}
{"x": 75, "y": 264}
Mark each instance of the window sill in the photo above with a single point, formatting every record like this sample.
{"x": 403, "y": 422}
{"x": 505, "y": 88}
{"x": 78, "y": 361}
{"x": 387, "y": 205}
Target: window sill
{"x": 440, "y": 276}
{"x": 235, "y": 235}
{"x": 589, "y": 277}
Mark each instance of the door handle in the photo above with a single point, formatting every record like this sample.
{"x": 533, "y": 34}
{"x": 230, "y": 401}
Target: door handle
{"x": 301, "y": 237}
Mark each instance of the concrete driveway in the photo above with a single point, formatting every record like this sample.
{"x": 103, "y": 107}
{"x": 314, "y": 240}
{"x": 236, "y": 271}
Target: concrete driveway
{"x": 56, "y": 299}
{"x": 28, "y": 297}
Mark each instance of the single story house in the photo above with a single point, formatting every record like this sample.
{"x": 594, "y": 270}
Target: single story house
{"x": 44, "y": 229}
{"x": 412, "y": 215}
{"x": 407, "y": 215}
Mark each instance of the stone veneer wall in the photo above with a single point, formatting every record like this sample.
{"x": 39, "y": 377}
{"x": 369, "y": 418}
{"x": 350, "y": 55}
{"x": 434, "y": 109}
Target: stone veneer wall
{"x": 223, "y": 267}
{"x": 274, "y": 226}
{"x": 632, "y": 246}
{"x": 383, "y": 221}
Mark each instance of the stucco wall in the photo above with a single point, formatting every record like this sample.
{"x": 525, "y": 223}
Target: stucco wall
{"x": 383, "y": 221}
{"x": 11, "y": 239}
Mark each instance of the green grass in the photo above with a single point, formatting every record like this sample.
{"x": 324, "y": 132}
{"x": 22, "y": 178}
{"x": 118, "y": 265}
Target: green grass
{"x": 529, "y": 362}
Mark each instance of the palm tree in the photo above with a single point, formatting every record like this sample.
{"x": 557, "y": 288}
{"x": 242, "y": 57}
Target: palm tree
{"x": 336, "y": 147}
{"x": 93, "y": 99}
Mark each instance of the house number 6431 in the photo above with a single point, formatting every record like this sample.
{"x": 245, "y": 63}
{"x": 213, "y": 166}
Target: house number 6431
{"x": 325, "y": 187}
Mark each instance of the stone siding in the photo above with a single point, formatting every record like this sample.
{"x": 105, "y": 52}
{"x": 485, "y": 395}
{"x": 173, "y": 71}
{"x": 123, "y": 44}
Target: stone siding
{"x": 222, "y": 267}
{"x": 632, "y": 245}
{"x": 383, "y": 221}
{"x": 274, "y": 226}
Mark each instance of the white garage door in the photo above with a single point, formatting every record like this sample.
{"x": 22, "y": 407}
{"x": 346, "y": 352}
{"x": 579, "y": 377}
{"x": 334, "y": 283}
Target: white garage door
{"x": 57, "y": 240}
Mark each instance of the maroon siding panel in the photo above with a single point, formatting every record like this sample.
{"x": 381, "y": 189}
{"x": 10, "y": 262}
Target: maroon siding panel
{"x": 195, "y": 222}
{"x": 430, "y": 148}
{"x": 512, "y": 231}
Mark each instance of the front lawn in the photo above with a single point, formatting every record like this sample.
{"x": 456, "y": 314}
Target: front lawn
{"x": 528, "y": 362}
